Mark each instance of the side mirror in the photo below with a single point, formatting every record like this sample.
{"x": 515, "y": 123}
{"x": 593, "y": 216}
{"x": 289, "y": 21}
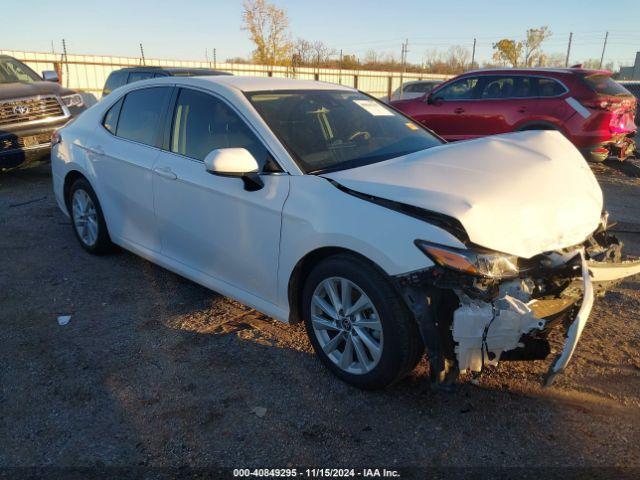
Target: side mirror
{"x": 50, "y": 76}
{"x": 235, "y": 162}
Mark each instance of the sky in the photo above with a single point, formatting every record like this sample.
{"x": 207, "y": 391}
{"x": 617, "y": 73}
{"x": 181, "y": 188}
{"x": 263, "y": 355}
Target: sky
{"x": 185, "y": 29}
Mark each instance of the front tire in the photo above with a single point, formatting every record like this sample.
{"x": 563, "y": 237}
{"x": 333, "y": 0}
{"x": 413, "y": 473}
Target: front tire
{"x": 357, "y": 323}
{"x": 87, "y": 218}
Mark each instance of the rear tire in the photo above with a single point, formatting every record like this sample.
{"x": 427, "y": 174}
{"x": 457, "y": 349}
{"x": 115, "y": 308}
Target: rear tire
{"x": 87, "y": 219}
{"x": 370, "y": 314}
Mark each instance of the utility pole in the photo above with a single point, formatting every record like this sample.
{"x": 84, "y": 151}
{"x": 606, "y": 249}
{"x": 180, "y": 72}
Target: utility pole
{"x": 214, "y": 57}
{"x": 604, "y": 47}
{"x": 566, "y": 62}
{"x": 403, "y": 60}
{"x": 142, "y": 59}
{"x": 340, "y": 69}
{"x": 53, "y": 49}
{"x": 66, "y": 61}
{"x": 473, "y": 54}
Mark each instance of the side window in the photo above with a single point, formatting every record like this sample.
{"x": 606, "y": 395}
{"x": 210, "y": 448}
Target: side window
{"x": 111, "y": 118}
{"x": 140, "y": 114}
{"x": 498, "y": 88}
{"x": 202, "y": 123}
{"x": 463, "y": 89}
{"x": 116, "y": 79}
{"x": 525, "y": 87}
{"x": 549, "y": 88}
{"x": 137, "y": 76}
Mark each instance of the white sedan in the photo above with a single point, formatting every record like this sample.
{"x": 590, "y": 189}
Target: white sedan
{"x": 314, "y": 202}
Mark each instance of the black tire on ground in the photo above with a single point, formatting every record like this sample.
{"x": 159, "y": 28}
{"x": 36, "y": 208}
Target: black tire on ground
{"x": 103, "y": 243}
{"x": 402, "y": 344}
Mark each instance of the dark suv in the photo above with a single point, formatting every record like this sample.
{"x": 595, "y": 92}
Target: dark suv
{"x": 587, "y": 106}
{"x": 30, "y": 110}
{"x": 117, "y": 78}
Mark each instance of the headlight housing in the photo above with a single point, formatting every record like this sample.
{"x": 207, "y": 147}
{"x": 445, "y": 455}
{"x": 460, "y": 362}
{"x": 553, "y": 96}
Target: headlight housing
{"x": 485, "y": 264}
{"x": 73, "y": 100}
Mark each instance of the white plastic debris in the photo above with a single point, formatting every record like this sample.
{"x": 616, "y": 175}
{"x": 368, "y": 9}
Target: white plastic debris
{"x": 63, "y": 319}
{"x": 259, "y": 411}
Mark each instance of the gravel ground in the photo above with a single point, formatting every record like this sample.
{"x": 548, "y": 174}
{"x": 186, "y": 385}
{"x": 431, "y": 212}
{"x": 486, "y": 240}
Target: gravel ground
{"x": 153, "y": 370}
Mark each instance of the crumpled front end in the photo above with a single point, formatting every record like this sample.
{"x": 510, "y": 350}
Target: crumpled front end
{"x": 470, "y": 321}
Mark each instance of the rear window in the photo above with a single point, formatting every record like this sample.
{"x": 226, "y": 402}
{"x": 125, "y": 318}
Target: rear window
{"x": 116, "y": 79}
{"x": 140, "y": 114}
{"x": 604, "y": 85}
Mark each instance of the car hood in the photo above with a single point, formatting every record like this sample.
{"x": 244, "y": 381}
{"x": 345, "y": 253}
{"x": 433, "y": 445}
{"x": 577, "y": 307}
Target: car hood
{"x": 13, "y": 90}
{"x": 521, "y": 193}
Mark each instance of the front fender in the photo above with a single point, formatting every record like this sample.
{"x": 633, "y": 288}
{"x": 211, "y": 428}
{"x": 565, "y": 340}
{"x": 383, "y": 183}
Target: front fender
{"x": 317, "y": 215}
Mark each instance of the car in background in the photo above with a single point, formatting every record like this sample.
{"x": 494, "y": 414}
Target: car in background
{"x": 124, "y": 76}
{"x": 592, "y": 110}
{"x": 313, "y": 202}
{"x": 414, "y": 89}
{"x": 634, "y": 88}
{"x": 31, "y": 108}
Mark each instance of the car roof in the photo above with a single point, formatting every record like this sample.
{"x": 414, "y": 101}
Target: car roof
{"x": 537, "y": 70}
{"x": 426, "y": 80}
{"x": 174, "y": 70}
{"x": 256, "y": 84}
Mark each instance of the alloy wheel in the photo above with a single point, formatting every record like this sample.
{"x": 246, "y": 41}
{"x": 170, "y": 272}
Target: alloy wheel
{"x": 346, "y": 325}
{"x": 85, "y": 217}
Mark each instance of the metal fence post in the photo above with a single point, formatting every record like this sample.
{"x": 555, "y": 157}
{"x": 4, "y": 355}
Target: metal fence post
{"x": 355, "y": 81}
{"x": 389, "y": 87}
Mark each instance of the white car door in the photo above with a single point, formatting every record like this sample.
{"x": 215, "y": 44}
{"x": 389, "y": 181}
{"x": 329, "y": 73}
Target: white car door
{"x": 124, "y": 150}
{"x": 211, "y": 223}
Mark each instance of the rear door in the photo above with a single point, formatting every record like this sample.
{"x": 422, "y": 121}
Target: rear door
{"x": 210, "y": 223}
{"x": 504, "y": 102}
{"x": 552, "y": 103}
{"x": 124, "y": 151}
{"x": 452, "y": 113}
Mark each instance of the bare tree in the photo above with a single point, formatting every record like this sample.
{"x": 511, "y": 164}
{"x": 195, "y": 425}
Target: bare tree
{"x": 322, "y": 53}
{"x": 268, "y": 28}
{"x": 535, "y": 37}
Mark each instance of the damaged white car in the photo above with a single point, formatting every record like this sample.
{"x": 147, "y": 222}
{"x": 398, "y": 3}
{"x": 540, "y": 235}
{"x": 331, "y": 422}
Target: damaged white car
{"x": 314, "y": 202}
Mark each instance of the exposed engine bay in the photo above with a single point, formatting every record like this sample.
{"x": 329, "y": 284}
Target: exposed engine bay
{"x": 470, "y": 322}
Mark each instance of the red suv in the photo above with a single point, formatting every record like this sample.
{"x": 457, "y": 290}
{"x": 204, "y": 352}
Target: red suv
{"x": 587, "y": 106}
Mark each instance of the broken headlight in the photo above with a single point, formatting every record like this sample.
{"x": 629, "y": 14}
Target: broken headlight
{"x": 486, "y": 263}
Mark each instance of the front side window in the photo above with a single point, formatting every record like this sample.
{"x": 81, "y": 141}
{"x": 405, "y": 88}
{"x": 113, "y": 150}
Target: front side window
{"x": 202, "y": 123}
{"x": 327, "y": 130}
{"x": 140, "y": 115}
{"x": 463, "y": 89}
{"x": 12, "y": 70}
{"x": 498, "y": 87}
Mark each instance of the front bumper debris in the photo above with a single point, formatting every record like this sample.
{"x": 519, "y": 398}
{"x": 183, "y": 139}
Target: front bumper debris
{"x": 468, "y": 325}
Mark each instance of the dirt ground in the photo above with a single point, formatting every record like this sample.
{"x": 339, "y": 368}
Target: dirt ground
{"x": 153, "y": 370}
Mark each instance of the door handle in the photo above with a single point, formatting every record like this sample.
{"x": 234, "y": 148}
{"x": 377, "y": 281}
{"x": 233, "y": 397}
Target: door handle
{"x": 522, "y": 109}
{"x": 165, "y": 172}
{"x": 459, "y": 110}
{"x": 96, "y": 150}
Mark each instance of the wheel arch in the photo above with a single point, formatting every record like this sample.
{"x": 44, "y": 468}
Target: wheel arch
{"x": 539, "y": 125}
{"x": 303, "y": 268}
{"x": 69, "y": 179}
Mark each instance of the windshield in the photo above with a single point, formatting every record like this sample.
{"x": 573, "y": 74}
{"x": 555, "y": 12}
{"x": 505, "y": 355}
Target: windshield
{"x": 605, "y": 85}
{"x": 12, "y": 70}
{"x": 328, "y": 130}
